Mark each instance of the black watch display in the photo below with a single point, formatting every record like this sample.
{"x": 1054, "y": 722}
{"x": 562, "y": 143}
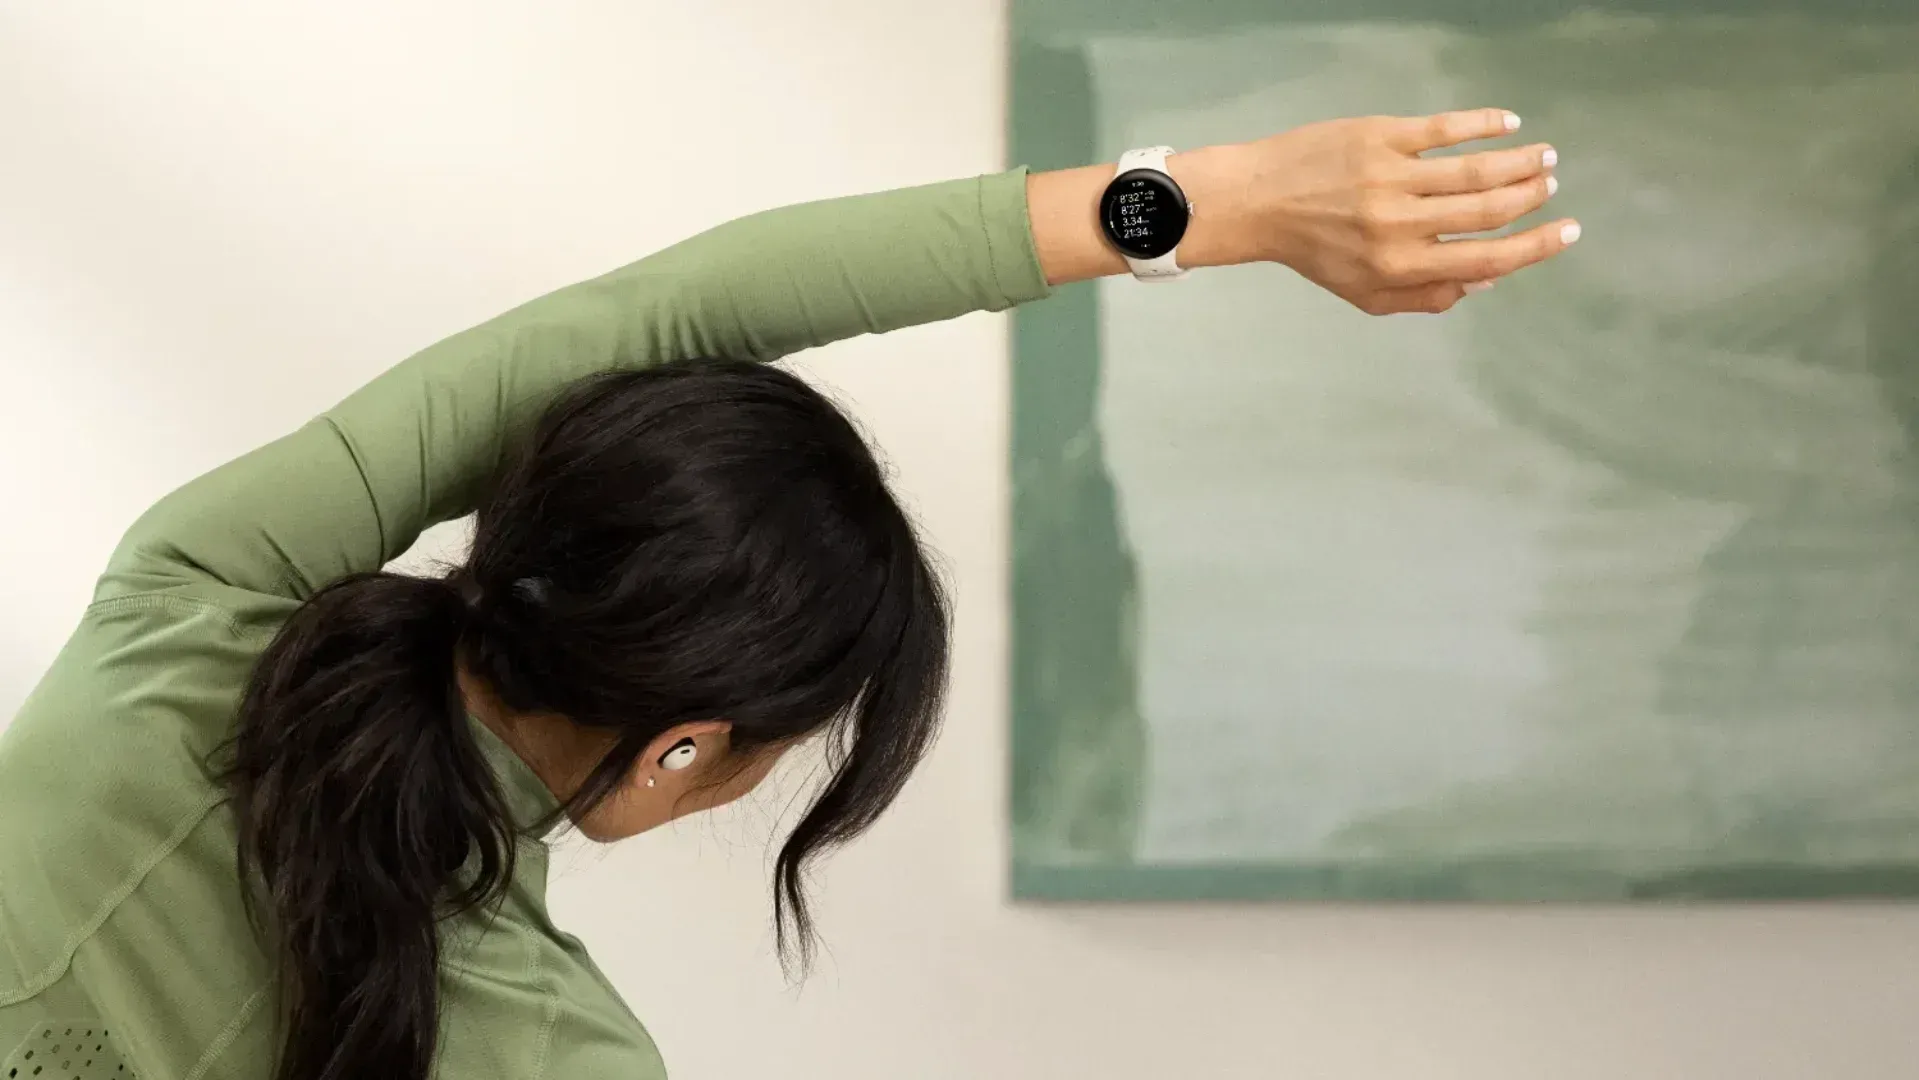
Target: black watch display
{"x": 1144, "y": 213}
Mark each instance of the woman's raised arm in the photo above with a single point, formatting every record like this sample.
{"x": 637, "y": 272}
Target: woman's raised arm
{"x": 1350, "y": 204}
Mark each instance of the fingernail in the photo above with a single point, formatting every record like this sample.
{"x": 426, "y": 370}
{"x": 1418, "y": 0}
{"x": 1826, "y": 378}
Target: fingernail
{"x": 1569, "y": 233}
{"x": 1512, "y": 121}
{"x": 1477, "y": 287}
{"x": 1552, "y": 185}
{"x": 1549, "y": 158}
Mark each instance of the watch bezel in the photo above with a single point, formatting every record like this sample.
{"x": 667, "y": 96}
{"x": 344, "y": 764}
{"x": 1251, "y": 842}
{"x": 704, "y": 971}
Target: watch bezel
{"x": 1167, "y": 184}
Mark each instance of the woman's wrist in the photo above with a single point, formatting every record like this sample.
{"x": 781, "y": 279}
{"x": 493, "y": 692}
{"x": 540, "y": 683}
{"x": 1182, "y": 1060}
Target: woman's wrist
{"x": 1223, "y": 230}
{"x": 1064, "y": 209}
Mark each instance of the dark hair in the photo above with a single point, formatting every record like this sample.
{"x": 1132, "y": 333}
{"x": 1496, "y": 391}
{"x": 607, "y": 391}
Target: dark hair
{"x": 706, "y": 540}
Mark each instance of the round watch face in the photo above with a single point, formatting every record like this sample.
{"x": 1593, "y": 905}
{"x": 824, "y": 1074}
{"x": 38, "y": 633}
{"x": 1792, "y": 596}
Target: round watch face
{"x": 1144, "y": 213}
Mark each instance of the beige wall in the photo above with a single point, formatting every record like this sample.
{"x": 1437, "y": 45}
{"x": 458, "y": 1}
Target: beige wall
{"x": 214, "y": 221}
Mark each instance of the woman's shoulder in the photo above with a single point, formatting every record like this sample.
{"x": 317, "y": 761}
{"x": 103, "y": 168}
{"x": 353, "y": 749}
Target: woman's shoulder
{"x": 146, "y": 678}
{"x": 521, "y": 998}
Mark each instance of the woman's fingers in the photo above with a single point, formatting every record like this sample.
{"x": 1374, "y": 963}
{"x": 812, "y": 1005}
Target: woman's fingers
{"x": 1466, "y": 173}
{"x": 1492, "y": 258}
{"x": 1413, "y": 135}
{"x": 1426, "y": 262}
{"x": 1451, "y": 215}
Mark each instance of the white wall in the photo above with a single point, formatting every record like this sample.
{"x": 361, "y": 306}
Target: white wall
{"x": 214, "y": 221}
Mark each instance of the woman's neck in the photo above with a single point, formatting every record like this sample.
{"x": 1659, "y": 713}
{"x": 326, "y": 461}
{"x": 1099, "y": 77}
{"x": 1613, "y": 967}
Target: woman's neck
{"x": 536, "y": 738}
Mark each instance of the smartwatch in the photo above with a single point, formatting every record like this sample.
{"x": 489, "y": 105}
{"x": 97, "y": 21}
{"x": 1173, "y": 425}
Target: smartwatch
{"x": 1144, "y": 214}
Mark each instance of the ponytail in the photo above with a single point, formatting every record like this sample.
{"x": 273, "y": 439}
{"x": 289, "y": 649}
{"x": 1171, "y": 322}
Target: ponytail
{"x": 367, "y": 811}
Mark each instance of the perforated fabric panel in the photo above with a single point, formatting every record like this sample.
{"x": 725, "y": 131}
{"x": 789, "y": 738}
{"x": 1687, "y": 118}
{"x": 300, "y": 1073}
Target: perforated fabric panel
{"x": 67, "y": 1050}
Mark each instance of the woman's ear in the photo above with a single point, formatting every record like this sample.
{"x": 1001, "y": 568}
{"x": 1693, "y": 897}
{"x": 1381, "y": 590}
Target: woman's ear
{"x": 678, "y": 757}
{"x": 683, "y": 770}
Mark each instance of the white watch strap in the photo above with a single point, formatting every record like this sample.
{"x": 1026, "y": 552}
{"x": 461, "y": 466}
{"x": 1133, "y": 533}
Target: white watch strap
{"x": 1166, "y": 267}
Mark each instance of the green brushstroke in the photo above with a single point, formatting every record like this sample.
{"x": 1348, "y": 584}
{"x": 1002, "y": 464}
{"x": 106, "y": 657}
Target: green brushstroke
{"x": 1078, "y": 739}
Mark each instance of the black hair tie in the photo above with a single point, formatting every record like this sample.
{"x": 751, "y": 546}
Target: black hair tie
{"x": 532, "y": 591}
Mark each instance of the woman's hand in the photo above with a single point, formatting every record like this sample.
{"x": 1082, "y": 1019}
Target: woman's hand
{"x": 1349, "y": 204}
{"x": 1352, "y": 206}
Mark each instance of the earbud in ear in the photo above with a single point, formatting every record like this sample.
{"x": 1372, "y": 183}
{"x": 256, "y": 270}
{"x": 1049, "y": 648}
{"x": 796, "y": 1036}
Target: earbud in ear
{"x": 680, "y": 756}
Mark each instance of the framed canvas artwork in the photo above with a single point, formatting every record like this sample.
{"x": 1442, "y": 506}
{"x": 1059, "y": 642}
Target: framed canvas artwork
{"x": 1604, "y": 586}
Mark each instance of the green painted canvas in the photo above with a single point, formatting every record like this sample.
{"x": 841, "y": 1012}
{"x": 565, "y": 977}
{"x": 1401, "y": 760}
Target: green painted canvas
{"x": 1603, "y": 587}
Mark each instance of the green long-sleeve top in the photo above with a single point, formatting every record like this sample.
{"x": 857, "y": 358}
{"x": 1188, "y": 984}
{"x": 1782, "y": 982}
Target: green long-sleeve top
{"x": 125, "y": 948}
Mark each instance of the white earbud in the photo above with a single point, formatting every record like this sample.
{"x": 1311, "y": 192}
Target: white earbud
{"x": 680, "y": 756}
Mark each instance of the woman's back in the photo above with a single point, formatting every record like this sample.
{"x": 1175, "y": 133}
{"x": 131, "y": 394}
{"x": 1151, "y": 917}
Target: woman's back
{"x": 129, "y": 950}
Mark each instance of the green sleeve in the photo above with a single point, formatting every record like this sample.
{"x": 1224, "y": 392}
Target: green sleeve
{"x": 415, "y": 447}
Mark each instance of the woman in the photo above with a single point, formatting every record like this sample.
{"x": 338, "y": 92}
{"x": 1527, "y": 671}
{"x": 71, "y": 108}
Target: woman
{"x": 274, "y": 812}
